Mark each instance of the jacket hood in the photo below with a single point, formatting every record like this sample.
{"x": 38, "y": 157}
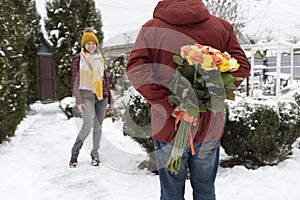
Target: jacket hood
{"x": 180, "y": 12}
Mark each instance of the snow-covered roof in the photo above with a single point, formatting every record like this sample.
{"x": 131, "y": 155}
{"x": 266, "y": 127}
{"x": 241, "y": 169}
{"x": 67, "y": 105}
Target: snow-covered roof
{"x": 281, "y": 75}
{"x": 260, "y": 67}
{"x": 271, "y": 45}
{"x": 121, "y": 39}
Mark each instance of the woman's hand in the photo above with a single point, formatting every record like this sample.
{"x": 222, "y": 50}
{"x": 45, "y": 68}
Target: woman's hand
{"x": 111, "y": 105}
{"x": 176, "y": 112}
{"x": 80, "y": 107}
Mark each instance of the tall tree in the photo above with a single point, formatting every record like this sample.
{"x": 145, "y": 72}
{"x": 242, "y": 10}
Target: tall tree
{"x": 66, "y": 20}
{"x": 27, "y": 8}
{"x": 13, "y": 68}
{"x": 237, "y": 12}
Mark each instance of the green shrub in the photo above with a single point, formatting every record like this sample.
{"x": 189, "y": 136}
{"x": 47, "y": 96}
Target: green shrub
{"x": 13, "y": 69}
{"x": 297, "y": 98}
{"x": 258, "y": 134}
{"x": 137, "y": 126}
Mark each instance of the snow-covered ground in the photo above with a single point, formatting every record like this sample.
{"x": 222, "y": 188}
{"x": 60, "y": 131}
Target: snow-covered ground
{"x": 34, "y": 166}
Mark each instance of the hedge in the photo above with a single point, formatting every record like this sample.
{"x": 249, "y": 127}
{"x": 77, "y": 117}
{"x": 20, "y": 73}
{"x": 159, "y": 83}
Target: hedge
{"x": 259, "y": 133}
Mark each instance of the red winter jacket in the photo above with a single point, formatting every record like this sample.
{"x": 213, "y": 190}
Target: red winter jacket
{"x": 177, "y": 23}
{"x": 79, "y": 94}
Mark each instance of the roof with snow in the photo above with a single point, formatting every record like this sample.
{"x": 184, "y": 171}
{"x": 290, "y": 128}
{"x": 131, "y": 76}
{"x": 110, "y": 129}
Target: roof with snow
{"x": 126, "y": 38}
{"x": 45, "y": 46}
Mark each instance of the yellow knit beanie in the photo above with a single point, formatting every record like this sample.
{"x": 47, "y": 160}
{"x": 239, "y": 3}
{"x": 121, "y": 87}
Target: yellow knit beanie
{"x": 89, "y": 35}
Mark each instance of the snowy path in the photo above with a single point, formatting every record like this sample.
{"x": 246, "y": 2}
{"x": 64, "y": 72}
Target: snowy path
{"x": 34, "y": 166}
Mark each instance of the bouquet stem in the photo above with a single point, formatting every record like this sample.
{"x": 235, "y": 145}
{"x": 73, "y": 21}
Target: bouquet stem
{"x": 183, "y": 134}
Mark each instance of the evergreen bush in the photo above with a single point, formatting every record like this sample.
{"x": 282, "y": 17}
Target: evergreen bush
{"x": 297, "y": 98}
{"x": 27, "y": 8}
{"x": 137, "y": 126}
{"x": 134, "y": 111}
{"x": 13, "y": 72}
{"x": 258, "y": 134}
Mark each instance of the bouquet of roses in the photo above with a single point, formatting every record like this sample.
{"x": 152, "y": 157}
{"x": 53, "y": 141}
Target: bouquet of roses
{"x": 202, "y": 81}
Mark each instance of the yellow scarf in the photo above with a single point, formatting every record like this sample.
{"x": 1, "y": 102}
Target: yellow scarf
{"x": 91, "y": 73}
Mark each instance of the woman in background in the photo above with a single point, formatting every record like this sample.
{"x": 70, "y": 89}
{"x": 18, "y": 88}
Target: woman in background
{"x": 92, "y": 93}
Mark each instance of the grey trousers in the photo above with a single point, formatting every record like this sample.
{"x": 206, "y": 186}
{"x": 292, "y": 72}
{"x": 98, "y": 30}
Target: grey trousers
{"x": 93, "y": 116}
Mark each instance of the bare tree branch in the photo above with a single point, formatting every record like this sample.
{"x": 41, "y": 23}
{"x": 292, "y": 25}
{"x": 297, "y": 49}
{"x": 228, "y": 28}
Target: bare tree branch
{"x": 238, "y": 12}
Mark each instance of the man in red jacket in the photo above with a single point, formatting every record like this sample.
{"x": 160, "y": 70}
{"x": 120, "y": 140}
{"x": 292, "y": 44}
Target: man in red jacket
{"x": 150, "y": 67}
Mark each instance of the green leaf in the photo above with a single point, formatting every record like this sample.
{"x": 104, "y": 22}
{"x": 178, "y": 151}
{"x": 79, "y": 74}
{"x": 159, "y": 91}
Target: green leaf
{"x": 238, "y": 79}
{"x": 202, "y": 93}
{"x": 185, "y": 92}
{"x": 179, "y": 71}
{"x": 190, "y": 103}
{"x": 216, "y": 105}
{"x": 201, "y": 83}
{"x": 228, "y": 78}
{"x": 173, "y": 100}
{"x": 172, "y": 84}
{"x": 218, "y": 82}
{"x": 178, "y": 60}
{"x": 209, "y": 85}
{"x": 231, "y": 86}
{"x": 192, "y": 111}
{"x": 184, "y": 82}
{"x": 230, "y": 95}
{"x": 176, "y": 85}
{"x": 217, "y": 92}
{"x": 188, "y": 72}
{"x": 202, "y": 106}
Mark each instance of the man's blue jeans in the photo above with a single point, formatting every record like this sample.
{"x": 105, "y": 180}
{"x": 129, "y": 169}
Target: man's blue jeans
{"x": 202, "y": 166}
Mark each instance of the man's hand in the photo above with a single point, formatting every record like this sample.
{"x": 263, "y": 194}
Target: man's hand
{"x": 176, "y": 112}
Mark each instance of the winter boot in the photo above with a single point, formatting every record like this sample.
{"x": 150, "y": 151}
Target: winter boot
{"x": 73, "y": 162}
{"x": 95, "y": 161}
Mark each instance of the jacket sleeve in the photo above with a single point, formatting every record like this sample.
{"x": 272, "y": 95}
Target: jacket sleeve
{"x": 110, "y": 99}
{"x": 75, "y": 79}
{"x": 140, "y": 72}
{"x": 75, "y": 66}
{"x": 235, "y": 50}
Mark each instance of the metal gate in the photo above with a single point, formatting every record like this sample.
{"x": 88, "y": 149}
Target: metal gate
{"x": 46, "y": 78}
